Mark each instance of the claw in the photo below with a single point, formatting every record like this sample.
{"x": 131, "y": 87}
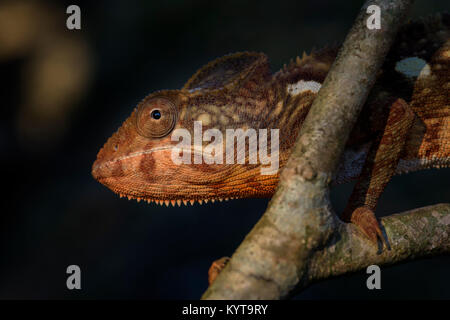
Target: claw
{"x": 365, "y": 219}
{"x": 216, "y": 267}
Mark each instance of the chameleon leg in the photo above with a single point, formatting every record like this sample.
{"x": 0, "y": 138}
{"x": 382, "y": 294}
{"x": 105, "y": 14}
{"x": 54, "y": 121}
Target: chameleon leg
{"x": 216, "y": 268}
{"x": 380, "y": 165}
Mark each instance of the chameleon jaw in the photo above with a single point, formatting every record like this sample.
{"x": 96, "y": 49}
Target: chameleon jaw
{"x": 161, "y": 201}
{"x": 174, "y": 202}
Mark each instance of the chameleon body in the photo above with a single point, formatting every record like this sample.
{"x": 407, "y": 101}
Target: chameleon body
{"x": 404, "y": 126}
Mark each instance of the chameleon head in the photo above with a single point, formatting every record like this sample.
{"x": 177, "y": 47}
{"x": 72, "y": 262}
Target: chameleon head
{"x": 135, "y": 161}
{"x": 138, "y": 160}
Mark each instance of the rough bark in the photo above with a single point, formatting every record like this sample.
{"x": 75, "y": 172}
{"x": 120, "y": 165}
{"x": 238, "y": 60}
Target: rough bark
{"x": 414, "y": 234}
{"x": 299, "y": 239}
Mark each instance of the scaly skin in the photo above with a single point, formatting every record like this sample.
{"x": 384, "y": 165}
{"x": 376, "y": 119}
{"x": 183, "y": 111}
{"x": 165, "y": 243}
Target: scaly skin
{"x": 405, "y": 125}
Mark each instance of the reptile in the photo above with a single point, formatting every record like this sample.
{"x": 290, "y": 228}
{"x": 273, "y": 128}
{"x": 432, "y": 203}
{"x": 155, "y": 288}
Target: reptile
{"x": 403, "y": 127}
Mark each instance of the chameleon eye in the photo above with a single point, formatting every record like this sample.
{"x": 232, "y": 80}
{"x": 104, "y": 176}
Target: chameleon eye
{"x": 156, "y": 117}
{"x": 156, "y": 114}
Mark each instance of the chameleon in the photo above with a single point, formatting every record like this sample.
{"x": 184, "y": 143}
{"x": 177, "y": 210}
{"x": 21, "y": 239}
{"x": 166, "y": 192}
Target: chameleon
{"x": 403, "y": 127}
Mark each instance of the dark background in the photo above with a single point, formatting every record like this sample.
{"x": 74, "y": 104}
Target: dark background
{"x": 53, "y": 212}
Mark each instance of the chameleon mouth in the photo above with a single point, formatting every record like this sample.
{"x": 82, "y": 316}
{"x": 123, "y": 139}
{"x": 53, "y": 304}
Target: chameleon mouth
{"x": 161, "y": 201}
{"x": 175, "y": 202}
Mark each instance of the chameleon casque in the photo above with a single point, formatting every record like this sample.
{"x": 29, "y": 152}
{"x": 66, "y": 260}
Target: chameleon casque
{"x": 404, "y": 126}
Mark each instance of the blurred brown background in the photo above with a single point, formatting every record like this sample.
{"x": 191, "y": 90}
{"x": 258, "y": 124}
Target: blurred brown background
{"x": 63, "y": 93}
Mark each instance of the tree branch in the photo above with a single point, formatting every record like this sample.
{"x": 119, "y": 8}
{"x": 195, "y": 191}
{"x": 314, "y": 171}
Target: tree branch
{"x": 299, "y": 238}
{"x": 414, "y": 234}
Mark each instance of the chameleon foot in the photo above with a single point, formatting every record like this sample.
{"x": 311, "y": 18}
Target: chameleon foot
{"x": 216, "y": 267}
{"x": 365, "y": 219}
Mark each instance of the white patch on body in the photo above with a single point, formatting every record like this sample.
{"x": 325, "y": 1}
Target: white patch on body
{"x": 205, "y": 119}
{"x": 302, "y": 86}
{"x": 413, "y": 67}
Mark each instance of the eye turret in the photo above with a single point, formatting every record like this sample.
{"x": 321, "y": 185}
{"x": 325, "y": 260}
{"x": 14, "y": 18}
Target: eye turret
{"x": 156, "y": 117}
